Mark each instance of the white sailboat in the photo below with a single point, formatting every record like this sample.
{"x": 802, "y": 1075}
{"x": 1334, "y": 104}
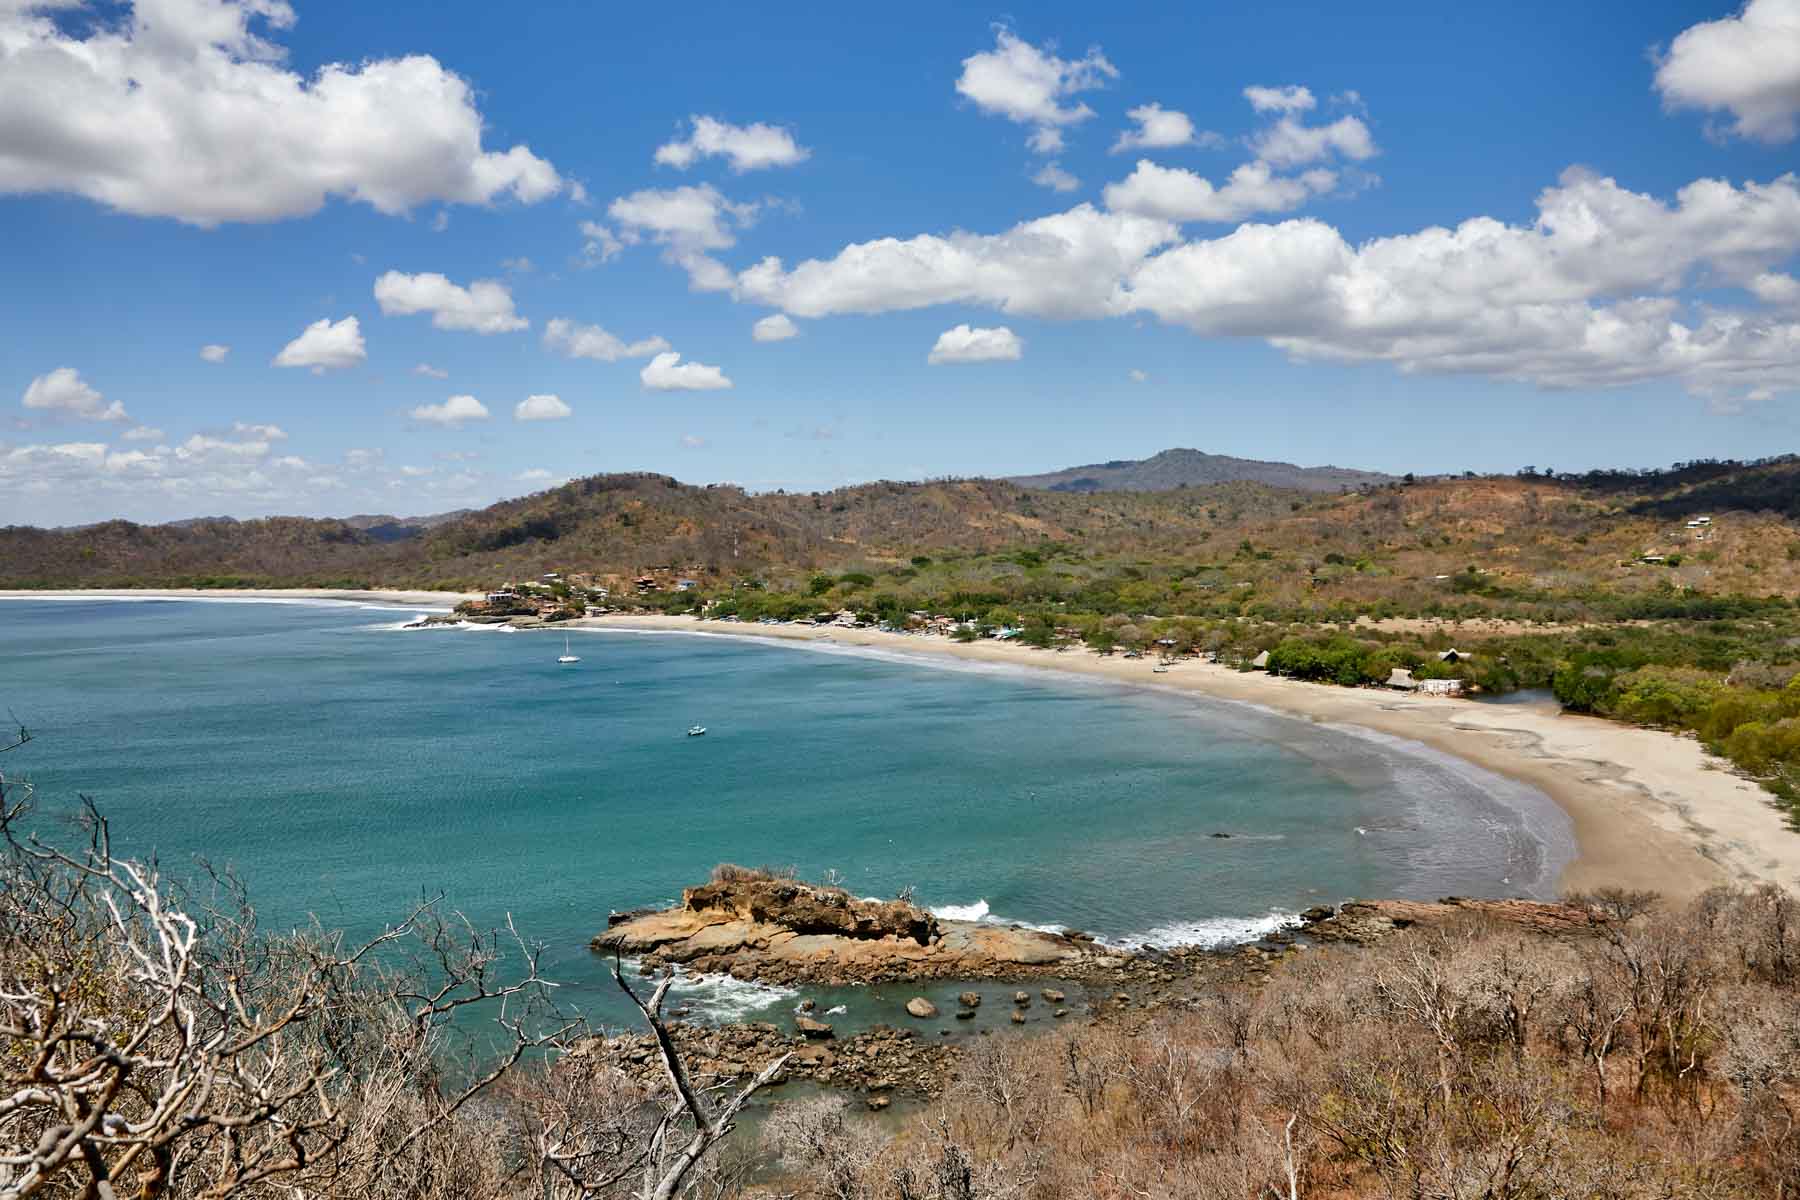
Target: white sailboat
{"x": 566, "y": 656}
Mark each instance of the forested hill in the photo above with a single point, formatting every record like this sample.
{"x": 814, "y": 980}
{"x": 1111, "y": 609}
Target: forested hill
{"x": 622, "y": 524}
{"x": 1195, "y": 468}
{"x": 1525, "y": 533}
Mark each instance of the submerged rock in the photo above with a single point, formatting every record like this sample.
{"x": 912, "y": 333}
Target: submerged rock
{"x": 816, "y": 1030}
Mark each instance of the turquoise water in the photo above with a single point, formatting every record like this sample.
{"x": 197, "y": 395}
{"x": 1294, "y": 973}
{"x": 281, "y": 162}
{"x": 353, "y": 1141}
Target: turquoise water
{"x": 345, "y": 766}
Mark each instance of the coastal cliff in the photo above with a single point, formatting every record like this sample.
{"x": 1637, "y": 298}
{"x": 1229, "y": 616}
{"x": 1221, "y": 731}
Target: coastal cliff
{"x": 782, "y": 931}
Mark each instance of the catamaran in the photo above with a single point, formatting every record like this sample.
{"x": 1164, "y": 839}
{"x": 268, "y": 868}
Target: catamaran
{"x": 566, "y": 656}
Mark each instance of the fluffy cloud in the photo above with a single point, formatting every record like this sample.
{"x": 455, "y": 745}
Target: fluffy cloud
{"x": 1748, "y": 65}
{"x": 1586, "y": 295}
{"x": 325, "y": 345}
{"x": 186, "y": 110}
{"x": 1173, "y": 194}
{"x": 65, "y": 392}
{"x": 966, "y": 345}
{"x": 485, "y": 306}
{"x": 1161, "y": 128}
{"x": 1580, "y": 298}
{"x": 214, "y": 353}
{"x": 747, "y": 147}
{"x": 1052, "y": 176}
{"x": 143, "y": 433}
{"x": 777, "y": 328}
{"x": 542, "y": 408}
{"x": 687, "y": 222}
{"x": 1032, "y": 86}
{"x": 452, "y": 413}
{"x": 599, "y": 245}
{"x": 1137, "y": 376}
{"x": 590, "y": 341}
{"x": 667, "y": 373}
{"x": 1068, "y": 264}
{"x": 1291, "y": 143}
{"x": 1290, "y": 99}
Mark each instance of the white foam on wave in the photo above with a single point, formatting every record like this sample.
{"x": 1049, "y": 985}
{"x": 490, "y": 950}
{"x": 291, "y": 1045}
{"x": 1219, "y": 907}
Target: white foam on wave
{"x": 723, "y": 999}
{"x": 1206, "y": 933}
{"x": 979, "y": 911}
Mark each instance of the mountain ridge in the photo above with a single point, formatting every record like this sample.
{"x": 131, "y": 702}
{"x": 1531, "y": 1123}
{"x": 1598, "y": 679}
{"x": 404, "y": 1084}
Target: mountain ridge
{"x": 1186, "y": 467}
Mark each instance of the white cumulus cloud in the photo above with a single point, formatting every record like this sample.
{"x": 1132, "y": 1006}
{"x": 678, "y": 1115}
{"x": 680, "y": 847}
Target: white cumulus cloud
{"x": 325, "y": 345}
{"x": 1174, "y": 194}
{"x": 1747, "y": 64}
{"x": 1290, "y": 99}
{"x": 1068, "y": 264}
{"x": 1052, "y": 176}
{"x": 214, "y": 353}
{"x": 542, "y": 408}
{"x": 747, "y": 147}
{"x": 1160, "y": 128}
{"x": 1031, "y": 86}
{"x": 687, "y": 222}
{"x": 778, "y": 328}
{"x": 667, "y": 373}
{"x": 65, "y": 392}
{"x": 187, "y": 110}
{"x": 1290, "y": 142}
{"x": 485, "y": 306}
{"x": 968, "y": 345}
{"x": 574, "y": 340}
{"x": 452, "y": 413}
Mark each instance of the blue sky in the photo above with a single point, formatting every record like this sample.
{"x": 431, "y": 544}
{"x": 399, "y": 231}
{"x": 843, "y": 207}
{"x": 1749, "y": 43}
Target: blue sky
{"x": 1414, "y": 238}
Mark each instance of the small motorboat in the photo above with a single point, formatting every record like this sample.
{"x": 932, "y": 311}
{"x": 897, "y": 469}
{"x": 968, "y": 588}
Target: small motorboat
{"x": 1160, "y": 669}
{"x": 566, "y": 657}
{"x": 696, "y": 731}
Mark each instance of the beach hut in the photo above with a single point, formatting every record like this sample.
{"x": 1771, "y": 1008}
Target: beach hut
{"x": 1261, "y": 661}
{"x": 1452, "y": 655}
{"x": 1441, "y": 687}
{"x": 1401, "y": 679}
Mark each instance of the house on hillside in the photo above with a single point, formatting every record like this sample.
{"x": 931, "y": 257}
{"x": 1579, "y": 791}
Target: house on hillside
{"x": 1452, "y": 655}
{"x": 686, "y": 585}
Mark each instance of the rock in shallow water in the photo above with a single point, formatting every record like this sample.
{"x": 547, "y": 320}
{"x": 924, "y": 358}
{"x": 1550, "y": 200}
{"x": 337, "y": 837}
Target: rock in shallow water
{"x": 921, "y": 1008}
{"x": 809, "y": 1028}
{"x": 969, "y": 999}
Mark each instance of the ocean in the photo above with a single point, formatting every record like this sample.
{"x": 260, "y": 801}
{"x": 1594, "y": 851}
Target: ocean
{"x": 346, "y": 767}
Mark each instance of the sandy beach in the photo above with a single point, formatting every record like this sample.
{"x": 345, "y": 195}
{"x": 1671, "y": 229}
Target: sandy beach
{"x": 1650, "y": 809}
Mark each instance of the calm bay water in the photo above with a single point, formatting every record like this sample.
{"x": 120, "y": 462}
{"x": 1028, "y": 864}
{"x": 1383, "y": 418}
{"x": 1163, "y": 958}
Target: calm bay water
{"x": 345, "y": 767}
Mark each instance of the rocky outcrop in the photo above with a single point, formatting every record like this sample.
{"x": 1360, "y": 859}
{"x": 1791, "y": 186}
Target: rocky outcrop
{"x": 1368, "y": 921}
{"x": 784, "y": 932}
{"x": 876, "y": 1060}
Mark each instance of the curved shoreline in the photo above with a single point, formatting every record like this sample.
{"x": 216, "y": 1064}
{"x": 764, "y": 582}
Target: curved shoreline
{"x": 1649, "y": 809}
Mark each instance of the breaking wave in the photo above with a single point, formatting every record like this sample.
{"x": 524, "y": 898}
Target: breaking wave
{"x": 1207, "y": 933}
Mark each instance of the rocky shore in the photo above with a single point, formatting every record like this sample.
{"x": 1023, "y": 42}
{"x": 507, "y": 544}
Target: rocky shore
{"x": 784, "y": 932}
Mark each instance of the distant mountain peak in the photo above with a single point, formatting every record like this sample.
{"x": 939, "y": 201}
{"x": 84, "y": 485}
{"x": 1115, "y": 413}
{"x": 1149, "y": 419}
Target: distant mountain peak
{"x": 1183, "y": 466}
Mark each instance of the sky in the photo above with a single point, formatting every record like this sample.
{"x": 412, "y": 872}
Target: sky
{"x": 329, "y": 258}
